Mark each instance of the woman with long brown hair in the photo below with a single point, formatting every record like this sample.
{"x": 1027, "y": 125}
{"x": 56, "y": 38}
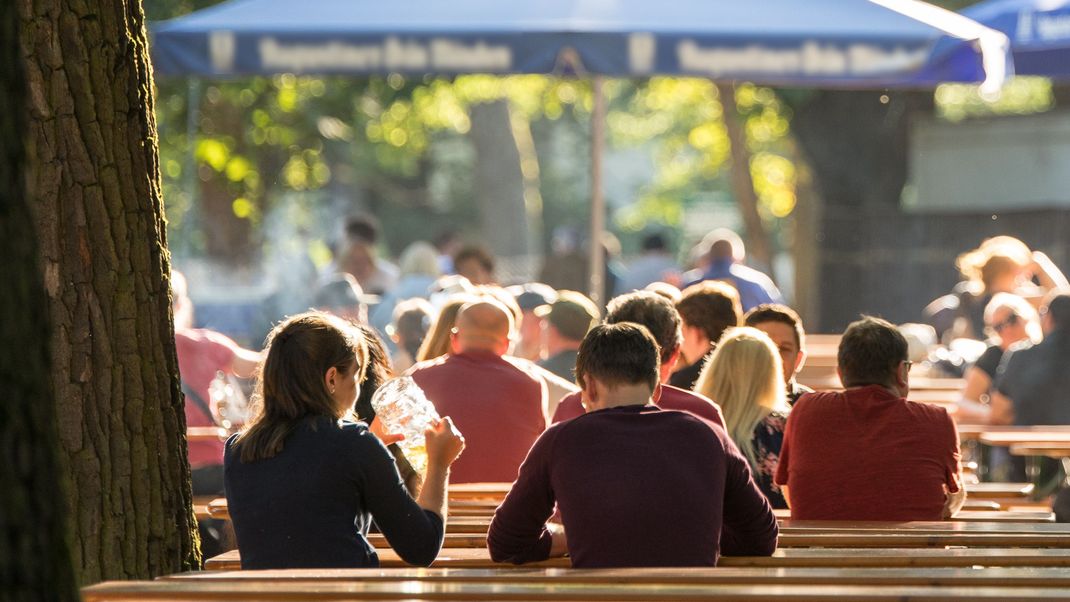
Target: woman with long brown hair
{"x": 303, "y": 483}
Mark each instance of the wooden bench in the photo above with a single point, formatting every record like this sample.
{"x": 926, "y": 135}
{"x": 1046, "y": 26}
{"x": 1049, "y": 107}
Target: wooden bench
{"x": 943, "y": 576}
{"x": 973, "y": 510}
{"x": 1049, "y": 449}
{"x": 478, "y": 491}
{"x": 206, "y": 433}
{"x": 975, "y": 431}
{"x": 999, "y": 491}
{"x": 1010, "y": 437}
{"x": 202, "y": 505}
{"x": 791, "y": 557}
{"x": 424, "y": 590}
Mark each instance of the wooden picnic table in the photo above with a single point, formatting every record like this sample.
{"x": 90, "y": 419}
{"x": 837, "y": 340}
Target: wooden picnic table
{"x": 478, "y": 491}
{"x": 460, "y": 513}
{"x": 872, "y": 538}
{"x": 1048, "y": 450}
{"x": 788, "y": 557}
{"x": 423, "y": 590}
{"x": 206, "y": 433}
{"x": 1007, "y": 438}
{"x": 999, "y": 491}
{"x": 973, "y": 432}
{"x": 919, "y": 527}
{"x": 942, "y": 576}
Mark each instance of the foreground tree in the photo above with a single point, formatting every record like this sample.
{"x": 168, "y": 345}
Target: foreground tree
{"x": 99, "y": 220}
{"x": 35, "y": 560}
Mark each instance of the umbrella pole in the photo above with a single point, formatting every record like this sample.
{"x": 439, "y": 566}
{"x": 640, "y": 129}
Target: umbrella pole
{"x": 596, "y": 275}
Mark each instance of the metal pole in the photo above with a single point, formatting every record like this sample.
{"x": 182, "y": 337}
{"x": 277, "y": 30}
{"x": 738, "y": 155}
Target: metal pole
{"x": 598, "y": 204}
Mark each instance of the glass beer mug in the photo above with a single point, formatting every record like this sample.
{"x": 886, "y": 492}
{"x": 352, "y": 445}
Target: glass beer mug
{"x": 402, "y": 408}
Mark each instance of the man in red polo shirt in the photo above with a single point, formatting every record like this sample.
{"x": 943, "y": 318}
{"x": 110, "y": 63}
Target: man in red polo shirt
{"x": 867, "y": 453}
{"x": 660, "y": 317}
{"x": 499, "y": 405}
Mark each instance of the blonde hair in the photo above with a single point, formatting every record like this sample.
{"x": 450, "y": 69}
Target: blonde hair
{"x": 745, "y": 378}
{"x": 419, "y": 258}
{"x": 437, "y": 341}
{"x": 994, "y": 258}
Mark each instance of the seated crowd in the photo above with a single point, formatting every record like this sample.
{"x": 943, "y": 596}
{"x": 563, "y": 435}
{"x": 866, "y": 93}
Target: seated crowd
{"x": 662, "y": 434}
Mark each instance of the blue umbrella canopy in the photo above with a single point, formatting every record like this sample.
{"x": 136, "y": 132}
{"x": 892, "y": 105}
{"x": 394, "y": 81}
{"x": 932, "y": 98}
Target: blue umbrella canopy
{"x": 855, "y": 43}
{"x": 1039, "y": 32}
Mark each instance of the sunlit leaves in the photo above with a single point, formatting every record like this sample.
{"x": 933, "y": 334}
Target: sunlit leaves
{"x": 214, "y": 152}
{"x": 1020, "y": 96}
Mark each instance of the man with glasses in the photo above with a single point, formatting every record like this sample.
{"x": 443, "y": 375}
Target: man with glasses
{"x": 867, "y": 453}
{"x": 1010, "y": 321}
{"x": 1033, "y": 383}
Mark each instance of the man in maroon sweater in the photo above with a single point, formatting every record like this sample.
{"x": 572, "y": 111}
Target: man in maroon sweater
{"x": 636, "y": 485}
{"x": 499, "y": 405}
{"x": 660, "y": 317}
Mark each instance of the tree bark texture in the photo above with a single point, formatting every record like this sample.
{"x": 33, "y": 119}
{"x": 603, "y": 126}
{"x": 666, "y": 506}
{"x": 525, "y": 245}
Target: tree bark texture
{"x": 35, "y": 559}
{"x": 857, "y": 142}
{"x": 857, "y": 145}
{"x": 742, "y": 183}
{"x": 499, "y": 181}
{"x": 100, "y": 222}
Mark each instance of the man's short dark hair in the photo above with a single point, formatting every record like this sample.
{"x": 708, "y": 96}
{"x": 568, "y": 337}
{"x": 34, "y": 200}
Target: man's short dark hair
{"x": 1057, "y": 305}
{"x": 619, "y": 354}
{"x": 711, "y": 306}
{"x": 775, "y": 312}
{"x": 477, "y": 253}
{"x": 652, "y": 311}
{"x": 362, "y": 228}
{"x": 870, "y": 352}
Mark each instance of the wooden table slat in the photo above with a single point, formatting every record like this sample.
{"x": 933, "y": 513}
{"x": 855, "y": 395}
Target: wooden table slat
{"x": 943, "y": 576}
{"x": 790, "y": 557}
{"x": 417, "y": 590}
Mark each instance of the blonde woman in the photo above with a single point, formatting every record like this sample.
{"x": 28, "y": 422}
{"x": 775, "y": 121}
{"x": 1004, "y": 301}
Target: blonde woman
{"x": 744, "y": 376}
{"x": 437, "y": 341}
{"x": 1001, "y": 264}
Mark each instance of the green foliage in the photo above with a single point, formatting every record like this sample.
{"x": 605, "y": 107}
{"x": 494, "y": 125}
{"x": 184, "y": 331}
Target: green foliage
{"x": 1020, "y": 96}
{"x": 684, "y": 119}
{"x": 384, "y": 141}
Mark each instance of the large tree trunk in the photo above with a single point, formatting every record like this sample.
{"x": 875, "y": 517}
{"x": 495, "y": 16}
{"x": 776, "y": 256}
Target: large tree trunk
{"x": 499, "y": 180}
{"x": 758, "y": 246}
{"x": 857, "y": 146}
{"x": 34, "y": 555}
{"x": 99, "y": 219}
{"x": 857, "y": 142}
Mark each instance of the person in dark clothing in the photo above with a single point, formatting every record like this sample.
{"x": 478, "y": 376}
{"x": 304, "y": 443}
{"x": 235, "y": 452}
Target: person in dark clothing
{"x": 303, "y": 484}
{"x": 1033, "y": 383}
{"x": 620, "y": 504}
{"x": 379, "y": 371}
{"x": 706, "y": 309}
{"x": 658, "y": 315}
{"x": 1009, "y": 320}
{"x": 785, "y": 327}
{"x": 566, "y": 322}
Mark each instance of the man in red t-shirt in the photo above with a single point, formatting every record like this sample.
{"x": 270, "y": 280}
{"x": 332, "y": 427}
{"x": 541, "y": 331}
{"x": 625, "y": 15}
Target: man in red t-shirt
{"x": 201, "y": 354}
{"x": 867, "y": 453}
{"x": 499, "y": 405}
{"x": 660, "y": 317}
